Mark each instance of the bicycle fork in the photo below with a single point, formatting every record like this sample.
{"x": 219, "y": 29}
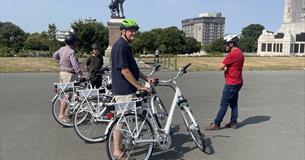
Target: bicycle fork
{"x": 185, "y": 110}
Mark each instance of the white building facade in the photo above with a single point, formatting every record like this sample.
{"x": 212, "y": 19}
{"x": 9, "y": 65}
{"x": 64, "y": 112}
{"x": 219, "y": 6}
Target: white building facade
{"x": 289, "y": 40}
{"x": 206, "y": 28}
{"x": 61, "y": 35}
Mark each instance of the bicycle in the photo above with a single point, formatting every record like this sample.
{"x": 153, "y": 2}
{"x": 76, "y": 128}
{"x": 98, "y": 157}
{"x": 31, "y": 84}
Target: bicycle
{"x": 68, "y": 92}
{"x": 140, "y": 131}
{"x": 92, "y": 117}
{"x": 98, "y": 111}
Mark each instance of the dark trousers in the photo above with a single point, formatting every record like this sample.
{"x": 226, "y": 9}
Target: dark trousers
{"x": 96, "y": 80}
{"x": 229, "y": 98}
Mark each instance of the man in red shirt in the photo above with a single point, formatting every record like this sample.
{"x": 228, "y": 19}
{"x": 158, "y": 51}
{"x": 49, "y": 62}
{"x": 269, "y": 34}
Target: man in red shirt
{"x": 232, "y": 66}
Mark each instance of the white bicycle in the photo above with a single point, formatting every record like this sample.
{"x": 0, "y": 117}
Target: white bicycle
{"x": 69, "y": 93}
{"x": 95, "y": 112}
{"x": 139, "y": 128}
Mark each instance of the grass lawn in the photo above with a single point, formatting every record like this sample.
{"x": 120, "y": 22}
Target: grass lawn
{"x": 198, "y": 63}
{"x": 28, "y": 65}
{"x": 251, "y": 63}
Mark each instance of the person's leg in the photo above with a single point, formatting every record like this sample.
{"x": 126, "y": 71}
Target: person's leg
{"x": 64, "y": 77}
{"x": 116, "y": 134}
{"x": 234, "y": 104}
{"x": 223, "y": 105}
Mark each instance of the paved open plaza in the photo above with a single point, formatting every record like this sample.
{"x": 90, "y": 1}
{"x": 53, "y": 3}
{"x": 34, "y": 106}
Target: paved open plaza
{"x": 271, "y": 119}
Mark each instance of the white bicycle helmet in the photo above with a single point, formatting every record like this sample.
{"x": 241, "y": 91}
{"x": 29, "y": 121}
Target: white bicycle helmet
{"x": 231, "y": 38}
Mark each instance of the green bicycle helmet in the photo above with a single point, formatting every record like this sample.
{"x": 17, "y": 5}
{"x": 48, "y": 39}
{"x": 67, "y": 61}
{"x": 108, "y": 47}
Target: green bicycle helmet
{"x": 129, "y": 24}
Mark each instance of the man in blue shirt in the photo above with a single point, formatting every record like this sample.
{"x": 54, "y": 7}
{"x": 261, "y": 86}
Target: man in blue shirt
{"x": 125, "y": 73}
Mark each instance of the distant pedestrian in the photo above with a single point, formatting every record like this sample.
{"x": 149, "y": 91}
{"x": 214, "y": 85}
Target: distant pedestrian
{"x": 233, "y": 67}
{"x": 94, "y": 64}
{"x": 69, "y": 69}
{"x": 157, "y": 53}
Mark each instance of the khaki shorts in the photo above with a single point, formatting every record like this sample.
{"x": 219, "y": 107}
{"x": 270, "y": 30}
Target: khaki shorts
{"x": 65, "y": 77}
{"x": 123, "y": 98}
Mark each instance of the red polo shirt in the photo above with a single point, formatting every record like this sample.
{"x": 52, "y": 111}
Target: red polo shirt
{"x": 234, "y": 61}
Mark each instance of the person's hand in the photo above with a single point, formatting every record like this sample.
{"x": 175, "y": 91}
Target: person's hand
{"x": 151, "y": 80}
{"x": 144, "y": 89}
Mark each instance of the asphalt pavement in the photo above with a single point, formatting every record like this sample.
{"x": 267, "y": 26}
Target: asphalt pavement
{"x": 271, "y": 119}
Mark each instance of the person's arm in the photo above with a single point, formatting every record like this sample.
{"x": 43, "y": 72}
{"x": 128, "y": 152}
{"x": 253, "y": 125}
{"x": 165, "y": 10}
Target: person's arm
{"x": 148, "y": 79}
{"x": 75, "y": 64}
{"x": 121, "y": 63}
{"x": 229, "y": 59}
{"x": 56, "y": 56}
{"x": 129, "y": 76}
{"x": 222, "y": 66}
{"x": 143, "y": 76}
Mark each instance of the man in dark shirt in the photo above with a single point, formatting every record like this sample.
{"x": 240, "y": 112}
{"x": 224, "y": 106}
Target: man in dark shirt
{"x": 233, "y": 67}
{"x": 94, "y": 64}
{"x": 125, "y": 73}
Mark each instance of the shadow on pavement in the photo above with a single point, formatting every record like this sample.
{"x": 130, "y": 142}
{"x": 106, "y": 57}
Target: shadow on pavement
{"x": 178, "y": 149}
{"x": 253, "y": 120}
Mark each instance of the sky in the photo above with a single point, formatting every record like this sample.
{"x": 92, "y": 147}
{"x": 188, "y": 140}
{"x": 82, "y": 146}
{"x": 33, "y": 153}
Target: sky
{"x": 35, "y": 15}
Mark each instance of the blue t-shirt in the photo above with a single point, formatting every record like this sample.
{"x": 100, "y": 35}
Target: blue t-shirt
{"x": 121, "y": 57}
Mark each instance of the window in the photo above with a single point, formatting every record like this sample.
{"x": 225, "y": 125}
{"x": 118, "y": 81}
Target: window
{"x": 263, "y": 47}
{"x": 302, "y": 47}
{"x": 296, "y": 48}
{"x": 291, "y": 48}
{"x": 274, "y": 47}
{"x": 281, "y": 47}
{"x": 269, "y": 47}
{"x": 277, "y": 47}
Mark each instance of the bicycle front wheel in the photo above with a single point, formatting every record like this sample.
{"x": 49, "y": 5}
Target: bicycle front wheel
{"x": 193, "y": 127}
{"x": 133, "y": 136}
{"x": 159, "y": 112}
{"x": 89, "y": 127}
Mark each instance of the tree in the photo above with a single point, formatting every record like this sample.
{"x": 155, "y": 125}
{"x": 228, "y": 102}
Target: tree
{"x": 12, "y": 36}
{"x": 168, "y": 40}
{"x": 173, "y": 38}
{"x": 37, "y": 41}
{"x": 191, "y": 45}
{"x": 52, "y": 29}
{"x": 88, "y": 33}
{"x": 215, "y": 47}
{"x": 53, "y": 44}
{"x": 249, "y": 37}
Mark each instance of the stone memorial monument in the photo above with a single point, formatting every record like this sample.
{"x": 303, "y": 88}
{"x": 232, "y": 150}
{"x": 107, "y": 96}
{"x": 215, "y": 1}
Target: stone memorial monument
{"x": 113, "y": 25}
{"x": 289, "y": 40}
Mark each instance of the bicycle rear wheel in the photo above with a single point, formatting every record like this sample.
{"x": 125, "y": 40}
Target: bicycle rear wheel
{"x": 88, "y": 126}
{"x": 192, "y": 127}
{"x": 126, "y": 129}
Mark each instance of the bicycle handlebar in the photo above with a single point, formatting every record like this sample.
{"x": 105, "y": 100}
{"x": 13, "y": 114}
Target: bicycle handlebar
{"x": 180, "y": 73}
{"x": 155, "y": 69}
{"x": 185, "y": 67}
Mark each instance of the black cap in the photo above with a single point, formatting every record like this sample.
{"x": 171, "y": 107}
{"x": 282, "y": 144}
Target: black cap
{"x": 70, "y": 39}
{"x": 94, "y": 46}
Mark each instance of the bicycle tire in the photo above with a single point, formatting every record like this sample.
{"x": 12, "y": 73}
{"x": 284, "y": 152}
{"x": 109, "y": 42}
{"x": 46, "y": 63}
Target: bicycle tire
{"x": 193, "y": 127}
{"x": 125, "y": 145}
{"x": 160, "y": 112}
{"x": 56, "y": 108}
{"x": 87, "y": 127}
